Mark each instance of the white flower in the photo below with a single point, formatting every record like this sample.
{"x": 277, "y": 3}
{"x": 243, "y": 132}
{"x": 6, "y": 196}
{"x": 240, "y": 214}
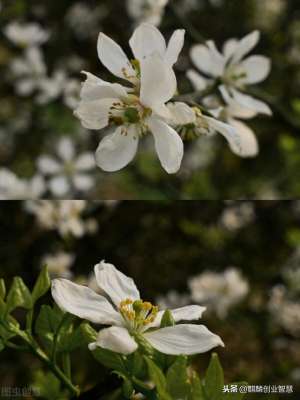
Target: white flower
{"x": 231, "y": 68}
{"x": 65, "y": 216}
{"x": 219, "y": 290}
{"x": 59, "y": 264}
{"x": 136, "y": 110}
{"x": 28, "y": 71}
{"x": 15, "y": 188}
{"x": 150, "y": 11}
{"x": 50, "y": 88}
{"x": 67, "y": 172}
{"x": 238, "y": 215}
{"x": 26, "y": 35}
{"x": 130, "y": 317}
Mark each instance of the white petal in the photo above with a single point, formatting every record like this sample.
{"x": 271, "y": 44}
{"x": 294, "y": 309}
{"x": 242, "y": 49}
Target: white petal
{"x": 175, "y": 46}
{"x": 208, "y": 59}
{"x": 158, "y": 82}
{"x": 187, "y": 313}
{"x": 168, "y": 145}
{"x": 116, "y": 339}
{"x": 257, "y": 69}
{"x": 116, "y": 150}
{"x": 183, "y": 339}
{"x": 95, "y": 88}
{"x": 83, "y": 182}
{"x": 248, "y": 142}
{"x": 84, "y": 302}
{"x": 85, "y": 162}
{"x": 66, "y": 149}
{"x": 234, "y": 108}
{"x": 198, "y": 82}
{"x": 251, "y": 103}
{"x": 228, "y": 131}
{"x": 48, "y": 165}
{"x": 146, "y": 40}
{"x": 245, "y": 45}
{"x": 94, "y": 114}
{"x": 59, "y": 186}
{"x": 115, "y": 284}
{"x": 113, "y": 57}
{"x": 230, "y": 47}
{"x": 181, "y": 114}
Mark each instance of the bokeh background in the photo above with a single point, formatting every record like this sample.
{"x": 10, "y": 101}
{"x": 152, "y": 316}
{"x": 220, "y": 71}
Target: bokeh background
{"x": 33, "y": 120}
{"x": 177, "y": 254}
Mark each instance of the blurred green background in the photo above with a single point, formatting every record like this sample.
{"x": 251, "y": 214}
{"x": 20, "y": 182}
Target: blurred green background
{"x": 162, "y": 245}
{"x": 209, "y": 171}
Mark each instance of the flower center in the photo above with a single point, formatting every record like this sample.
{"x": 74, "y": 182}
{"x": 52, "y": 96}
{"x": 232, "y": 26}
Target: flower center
{"x": 234, "y": 74}
{"x": 138, "y": 313}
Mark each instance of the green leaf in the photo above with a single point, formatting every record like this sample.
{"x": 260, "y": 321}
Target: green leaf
{"x": 42, "y": 285}
{"x": 18, "y": 296}
{"x": 157, "y": 376}
{"x": 214, "y": 379}
{"x": 89, "y": 333}
{"x": 167, "y": 319}
{"x": 70, "y": 339}
{"x": 48, "y": 386}
{"x": 47, "y": 323}
{"x": 2, "y": 345}
{"x": 109, "y": 359}
{"x": 177, "y": 379}
{"x": 235, "y": 396}
{"x": 2, "y": 289}
{"x": 136, "y": 364}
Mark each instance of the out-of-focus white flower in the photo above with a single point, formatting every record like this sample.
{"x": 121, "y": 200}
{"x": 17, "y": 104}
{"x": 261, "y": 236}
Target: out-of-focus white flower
{"x": 150, "y": 11}
{"x": 219, "y": 291}
{"x": 267, "y": 13}
{"x": 71, "y": 93}
{"x": 61, "y": 215}
{"x": 130, "y": 317}
{"x": 134, "y": 111}
{"x": 67, "y": 171}
{"x": 59, "y": 264}
{"x": 237, "y": 215}
{"x": 28, "y": 71}
{"x": 26, "y": 34}
{"x": 285, "y": 311}
{"x": 14, "y": 188}
{"x": 230, "y": 67}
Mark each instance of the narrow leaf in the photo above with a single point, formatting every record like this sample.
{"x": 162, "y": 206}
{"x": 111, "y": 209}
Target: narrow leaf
{"x": 18, "y": 296}
{"x": 42, "y": 285}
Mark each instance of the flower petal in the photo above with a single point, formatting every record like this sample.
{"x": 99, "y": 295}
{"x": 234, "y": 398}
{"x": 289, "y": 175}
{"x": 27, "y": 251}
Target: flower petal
{"x": 230, "y": 47}
{"x": 84, "y": 302}
{"x": 65, "y": 149}
{"x": 48, "y": 165}
{"x": 94, "y": 114}
{"x": 251, "y": 103}
{"x": 59, "y": 185}
{"x": 85, "y": 162}
{"x": 146, "y": 40}
{"x": 95, "y": 88}
{"x": 248, "y": 142}
{"x": 116, "y": 339}
{"x": 198, "y": 82}
{"x": 113, "y": 57}
{"x": 257, "y": 69}
{"x": 187, "y": 313}
{"x": 158, "y": 82}
{"x": 83, "y": 182}
{"x": 168, "y": 145}
{"x": 234, "y": 108}
{"x": 244, "y": 46}
{"x": 183, "y": 339}
{"x": 175, "y": 46}
{"x": 208, "y": 60}
{"x": 228, "y": 131}
{"x": 181, "y": 114}
{"x": 117, "y": 149}
{"x": 115, "y": 284}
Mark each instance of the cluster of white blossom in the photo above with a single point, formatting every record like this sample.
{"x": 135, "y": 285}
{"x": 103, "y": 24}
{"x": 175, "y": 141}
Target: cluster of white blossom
{"x": 59, "y": 264}
{"x": 237, "y": 214}
{"x": 28, "y": 72}
{"x": 219, "y": 292}
{"x": 148, "y": 101}
{"x": 64, "y": 216}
